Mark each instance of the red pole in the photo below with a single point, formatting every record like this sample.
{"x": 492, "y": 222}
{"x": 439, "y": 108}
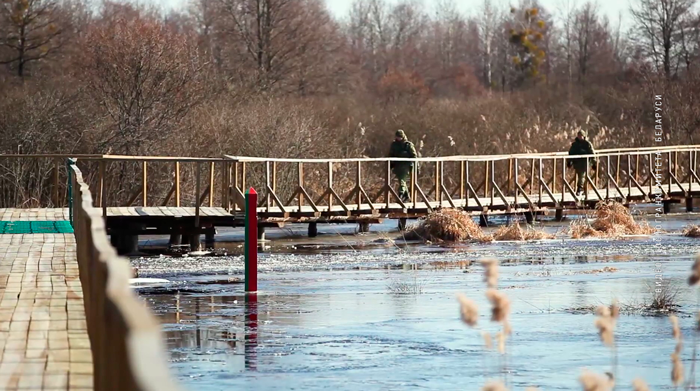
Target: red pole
{"x": 251, "y": 241}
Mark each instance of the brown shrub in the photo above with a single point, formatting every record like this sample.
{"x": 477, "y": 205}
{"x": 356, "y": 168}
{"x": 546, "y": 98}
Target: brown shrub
{"x": 514, "y": 232}
{"x": 612, "y": 220}
{"x": 448, "y": 225}
{"x": 692, "y": 231}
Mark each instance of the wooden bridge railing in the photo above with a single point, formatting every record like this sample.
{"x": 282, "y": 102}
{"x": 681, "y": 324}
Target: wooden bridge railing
{"x": 471, "y": 182}
{"x": 342, "y": 185}
{"x": 127, "y": 347}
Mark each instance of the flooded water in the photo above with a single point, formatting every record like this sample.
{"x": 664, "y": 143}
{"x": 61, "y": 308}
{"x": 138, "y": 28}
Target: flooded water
{"x": 336, "y": 317}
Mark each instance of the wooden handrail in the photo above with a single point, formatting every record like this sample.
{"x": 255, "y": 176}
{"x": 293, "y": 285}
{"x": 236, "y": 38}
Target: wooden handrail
{"x": 456, "y": 158}
{"x": 127, "y": 345}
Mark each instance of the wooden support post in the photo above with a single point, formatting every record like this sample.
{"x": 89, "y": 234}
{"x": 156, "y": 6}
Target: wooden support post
{"x": 563, "y": 180}
{"x": 243, "y": 176}
{"x": 196, "y": 195}
{"x": 313, "y": 230}
{"x": 483, "y": 220}
{"x": 437, "y": 183}
{"x": 224, "y": 183}
{"x": 364, "y": 227}
{"x": 144, "y": 191}
{"x": 529, "y": 217}
{"x": 510, "y": 176}
{"x": 177, "y": 184}
{"x": 486, "y": 179}
{"x": 101, "y": 189}
{"x": 56, "y": 182}
{"x": 554, "y": 175}
{"x": 211, "y": 184}
{"x": 251, "y": 241}
{"x": 492, "y": 181}
{"x": 466, "y": 179}
{"x": 532, "y": 175}
{"x": 330, "y": 186}
{"x": 388, "y": 183}
{"x": 689, "y": 204}
{"x": 559, "y": 214}
{"x": 652, "y": 178}
{"x": 629, "y": 178}
{"x": 402, "y": 224}
{"x": 358, "y": 178}
{"x": 617, "y": 170}
{"x": 539, "y": 187}
{"x": 300, "y": 181}
{"x": 462, "y": 170}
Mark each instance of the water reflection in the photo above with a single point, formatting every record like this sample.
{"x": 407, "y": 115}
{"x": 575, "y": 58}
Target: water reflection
{"x": 251, "y": 331}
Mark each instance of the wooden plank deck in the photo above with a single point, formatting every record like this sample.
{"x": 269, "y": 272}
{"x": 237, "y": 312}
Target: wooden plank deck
{"x": 34, "y": 214}
{"x": 43, "y": 333}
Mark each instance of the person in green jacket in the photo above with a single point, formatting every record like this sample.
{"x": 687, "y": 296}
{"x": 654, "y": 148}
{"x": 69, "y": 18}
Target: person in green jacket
{"x": 402, "y": 148}
{"x": 581, "y": 146}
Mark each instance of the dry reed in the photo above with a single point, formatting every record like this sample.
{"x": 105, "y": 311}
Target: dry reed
{"x": 695, "y": 272}
{"x": 594, "y": 382}
{"x": 677, "y": 365}
{"x": 448, "y": 225}
{"x": 640, "y": 385}
{"x": 605, "y": 323}
{"x": 500, "y": 305}
{"x": 494, "y": 385}
{"x": 612, "y": 220}
{"x": 692, "y": 231}
{"x": 490, "y": 272}
{"x": 468, "y": 310}
{"x": 514, "y": 232}
{"x": 488, "y": 341}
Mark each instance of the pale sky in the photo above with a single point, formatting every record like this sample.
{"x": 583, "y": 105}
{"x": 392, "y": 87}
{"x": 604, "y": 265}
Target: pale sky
{"x": 340, "y": 8}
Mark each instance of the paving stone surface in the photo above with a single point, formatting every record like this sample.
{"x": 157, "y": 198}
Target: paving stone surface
{"x": 43, "y": 333}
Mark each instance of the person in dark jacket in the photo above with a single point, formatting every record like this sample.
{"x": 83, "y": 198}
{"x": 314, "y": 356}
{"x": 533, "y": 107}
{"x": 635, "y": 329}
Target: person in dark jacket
{"x": 581, "y": 146}
{"x": 402, "y": 148}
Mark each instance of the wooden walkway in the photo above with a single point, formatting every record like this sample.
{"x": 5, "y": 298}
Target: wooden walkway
{"x": 43, "y": 332}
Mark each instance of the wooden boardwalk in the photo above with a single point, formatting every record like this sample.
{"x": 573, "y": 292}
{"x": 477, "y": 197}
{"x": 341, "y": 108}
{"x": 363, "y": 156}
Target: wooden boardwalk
{"x": 43, "y": 332}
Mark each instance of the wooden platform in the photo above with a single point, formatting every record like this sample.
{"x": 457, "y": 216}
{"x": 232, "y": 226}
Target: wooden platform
{"x": 43, "y": 333}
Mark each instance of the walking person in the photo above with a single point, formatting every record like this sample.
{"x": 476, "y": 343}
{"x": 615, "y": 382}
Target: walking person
{"x": 581, "y": 146}
{"x": 402, "y": 148}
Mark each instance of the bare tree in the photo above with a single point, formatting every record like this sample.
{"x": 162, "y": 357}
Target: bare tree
{"x": 144, "y": 75}
{"x": 30, "y": 30}
{"x": 657, "y": 25}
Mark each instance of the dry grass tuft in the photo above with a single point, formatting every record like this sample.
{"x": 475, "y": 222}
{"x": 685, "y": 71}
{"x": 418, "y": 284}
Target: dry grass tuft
{"x": 692, "y": 231}
{"x": 494, "y": 385}
{"x": 695, "y": 272}
{"x": 612, "y": 220}
{"x": 448, "y": 225}
{"x": 490, "y": 272}
{"x": 593, "y": 382}
{"x": 468, "y": 310}
{"x": 514, "y": 232}
{"x": 640, "y": 385}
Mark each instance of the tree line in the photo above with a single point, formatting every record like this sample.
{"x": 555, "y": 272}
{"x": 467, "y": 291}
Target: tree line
{"x": 285, "y": 78}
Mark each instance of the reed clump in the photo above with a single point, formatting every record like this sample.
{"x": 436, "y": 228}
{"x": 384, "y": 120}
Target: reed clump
{"x": 448, "y": 225}
{"x": 612, "y": 220}
{"x": 692, "y": 231}
{"x": 515, "y": 232}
